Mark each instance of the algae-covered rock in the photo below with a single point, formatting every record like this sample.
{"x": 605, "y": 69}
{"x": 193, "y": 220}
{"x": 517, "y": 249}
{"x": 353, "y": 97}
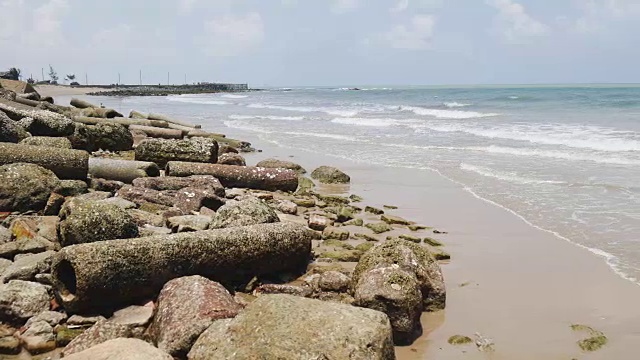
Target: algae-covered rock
{"x": 332, "y": 232}
{"x": 275, "y": 163}
{"x": 64, "y": 335}
{"x": 412, "y": 258}
{"x": 343, "y": 255}
{"x": 112, "y": 137}
{"x": 411, "y": 238}
{"x": 344, "y": 214}
{"x": 390, "y": 219}
{"x": 304, "y": 185}
{"x": 395, "y": 292}
{"x": 355, "y": 222}
{"x": 88, "y": 221}
{"x": 250, "y": 211}
{"x": 296, "y": 328}
{"x": 232, "y": 159}
{"x": 459, "y": 340}
{"x": 177, "y": 183}
{"x": 432, "y": 242}
{"x": 379, "y": 228}
{"x": 330, "y": 175}
{"x": 50, "y": 125}
{"x": 10, "y": 131}
{"x": 25, "y": 187}
{"x": 373, "y": 210}
{"x": 161, "y": 151}
{"x": 56, "y": 142}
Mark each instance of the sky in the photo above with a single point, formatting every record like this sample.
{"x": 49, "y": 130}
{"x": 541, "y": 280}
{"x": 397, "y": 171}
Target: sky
{"x": 325, "y": 42}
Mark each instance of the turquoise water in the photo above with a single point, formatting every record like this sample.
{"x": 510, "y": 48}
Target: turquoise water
{"x": 565, "y": 159}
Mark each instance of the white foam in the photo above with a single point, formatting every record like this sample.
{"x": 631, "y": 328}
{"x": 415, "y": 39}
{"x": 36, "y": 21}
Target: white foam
{"x": 505, "y": 176}
{"x": 369, "y": 122}
{"x": 268, "y": 117}
{"x": 553, "y": 154}
{"x": 446, "y": 114}
{"x": 249, "y": 127}
{"x": 328, "y": 110}
{"x": 575, "y": 136}
{"x": 232, "y": 96}
{"x": 197, "y": 100}
{"x": 455, "y": 104}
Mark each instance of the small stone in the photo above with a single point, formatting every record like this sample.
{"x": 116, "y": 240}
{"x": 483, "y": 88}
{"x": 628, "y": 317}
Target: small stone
{"x": 390, "y": 219}
{"x": 318, "y": 222}
{"x": 344, "y": 214}
{"x": 415, "y": 227}
{"x": 275, "y": 163}
{"x": 39, "y": 338}
{"x": 287, "y": 207}
{"x": 379, "y": 228}
{"x": 79, "y": 320}
{"x": 119, "y": 202}
{"x": 459, "y": 340}
{"x": 266, "y": 289}
{"x": 355, "y": 198}
{"x": 355, "y": 222}
{"x": 304, "y": 202}
{"x": 133, "y": 316}
{"x": 373, "y": 210}
{"x": 27, "y": 266}
{"x": 331, "y": 232}
{"x": 364, "y": 247}
{"x": 411, "y": 238}
{"x": 100, "y": 332}
{"x": 432, "y": 242}
{"x": 20, "y": 300}
{"x": 54, "y": 204}
{"x": 390, "y": 207}
{"x": 9, "y": 345}
{"x": 232, "y": 159}
{"x": 249, "y": 211}
{"x": 64, "y": 335}
{"x": 188, "y": 223}
{"x": 334, "y": 281}
{"x": 330, "y": 175}
{"x": 52, "y": 318}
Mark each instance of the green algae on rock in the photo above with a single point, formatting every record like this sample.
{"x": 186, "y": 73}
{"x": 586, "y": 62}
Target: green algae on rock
{"x": 330, "y": 175}
{"x": 594, "y": 342}
{"x": 379, "y": 228}
{"x": 459, "y": 340}
{"x": 432, "y": 242}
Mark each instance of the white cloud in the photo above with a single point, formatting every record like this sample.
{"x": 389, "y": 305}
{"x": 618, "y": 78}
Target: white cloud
{"x": 185, "y": 6}
{"x": 400, "y": 6}
{"x": 514, "y": 23}
{"x": 597, "y": 13}
{"x": 344, "y": 6}
{"x": 232, "y": 35}
{"x": 413, "y": 36}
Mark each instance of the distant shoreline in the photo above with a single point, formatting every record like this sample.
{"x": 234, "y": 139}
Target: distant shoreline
{"x": 137, "y": 90}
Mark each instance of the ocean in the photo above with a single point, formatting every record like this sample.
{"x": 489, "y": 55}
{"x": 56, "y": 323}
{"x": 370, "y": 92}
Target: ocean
{"x": 566, "y": 159}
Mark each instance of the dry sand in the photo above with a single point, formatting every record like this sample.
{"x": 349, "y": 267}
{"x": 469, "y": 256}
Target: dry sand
{"x": 61, "y": 90}
{"x": 508, "y": 281}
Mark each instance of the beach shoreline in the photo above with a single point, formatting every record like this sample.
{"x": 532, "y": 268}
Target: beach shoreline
{"x": 518, "y": 285}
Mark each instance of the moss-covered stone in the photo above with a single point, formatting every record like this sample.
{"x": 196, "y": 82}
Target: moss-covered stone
{"x": 412, "y": 258}
{"x": 355, "y": 198}
{"x": 355, "y": 222}
{"x": 364, "y": 247}
{"x": 441, "y": 255}
{"x": 415, "y": 227}
{"x": 305, "y": 185}
{"x": 161, "y": 151}
{"x": 373, "y": 210}
{"x": 379, "y": 228}
{"x": 275, "y": 163}
{"x": 432, "y": 242}
{"x": 330, "y": 175}
{"x": 333, "y": 200}
{"x": 46, "y": 141}
{"x": 342, "y": 255}
{"x": 411, "y": 238}
{"x": 10, "y": 131}
{"x": 332, "y": 232}
{"x": 459, "y": 340}
{"x": 390, "y": 207}
{"x": 366, "y": 237}
{"x": 390, "y": 219}
{"x": 250, "y": 211}
{"x": 25, "y": 187}
{"x": 90, "y": 221}
{"x": 64, "y": 335}
{"x": 344, "y": 214}
{"x": 304, "y": 202}
{"x": 337, "y": 244}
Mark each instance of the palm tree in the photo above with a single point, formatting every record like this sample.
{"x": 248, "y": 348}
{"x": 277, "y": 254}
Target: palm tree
{"x": 15, "y": 73}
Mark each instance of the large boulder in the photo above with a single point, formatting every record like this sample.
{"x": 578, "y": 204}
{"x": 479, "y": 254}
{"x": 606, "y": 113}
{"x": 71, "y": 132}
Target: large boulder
{"x": 249, "y": 211}
{"x": 47, "y": 141}
{"x": 112, "y": 137}
{"x": 412, "y": 258}
{"x": 20, "y": 300}
{"x": 187, "y": 306}
{"x": 10, "y": 131}
{"x": 396, "y": 293}
{"x": 288, "y": 327}
{"x": 161, "y": 151}
{"x": 25, "y": 187}
{"x": 102, "y": 331}
{"x": 38, "y": 337}
{"x": 275, "y": 163}
{"x": 91, "y": 221}
{"x": 121, "y": 349}
{"x": 330, "y": 175}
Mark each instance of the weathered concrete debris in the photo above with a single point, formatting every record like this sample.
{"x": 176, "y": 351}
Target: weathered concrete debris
{"x": 100, "y": 113}
{"x": 102, "y": 331}
{"x": 330, "y": 175}
{"x": 121, "y": 349}
{"x": 47, "y": 141}
{"x": 111, "y": 137}
{"x": 65, "y": 163}
{"x": 292, "y": 327}
{"x": 81, "y": 104}
{"x": 239, "y": 176}
{"x": 126, "y": 122}
{"x": 249, "y": 211}
{"x": 187, "y": 223}
{"x": 177, "y": 183}
{"x": 162, "y": 151}
{"x": 27, "y": 267}
{"x": 186, "y": 199}
{"x": 25, "y": 187}
{"x": 158, "y": 132}
{"x": 412, "y": 258}
{"x": 275, "y": 163}
{"x": 109, "y": 274}
{"x": 187, "y": 306}
{"x": 10, "y": 131}
{"x": 89, "y": 221}
{"x": 170, "y": 120}
{"x": 40, "y": 122}
{"x": 232, "y": 159}
{"x": 122, "y": 170}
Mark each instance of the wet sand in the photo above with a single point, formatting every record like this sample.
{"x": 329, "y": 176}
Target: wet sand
{"x": 508, "y": 281}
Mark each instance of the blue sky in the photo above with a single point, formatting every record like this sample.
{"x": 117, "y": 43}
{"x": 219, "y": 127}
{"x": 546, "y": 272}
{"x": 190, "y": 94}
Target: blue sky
{"x": 326, "y": 42}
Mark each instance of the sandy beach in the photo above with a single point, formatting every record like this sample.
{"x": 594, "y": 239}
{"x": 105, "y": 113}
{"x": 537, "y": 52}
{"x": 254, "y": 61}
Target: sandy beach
{"x": 60, "y": 90}
{"x": 507, "y": 281}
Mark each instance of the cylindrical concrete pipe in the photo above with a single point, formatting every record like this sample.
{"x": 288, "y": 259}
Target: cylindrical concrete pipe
{"x": 110, "y": 274}
{"x": 121, "y": 170}
{"x": 65, "y": 163}
{"x": 239, "y": 176}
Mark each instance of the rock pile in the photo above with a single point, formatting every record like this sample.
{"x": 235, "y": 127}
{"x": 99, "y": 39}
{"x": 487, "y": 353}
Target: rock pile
{"x": 103, "y": 255}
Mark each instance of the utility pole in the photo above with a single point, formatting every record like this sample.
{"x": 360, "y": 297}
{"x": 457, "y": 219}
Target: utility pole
{"x": 42, "y": 74}
{"x": 185, "y": 79}
{"x": 167, "y": 78}
{"x": 140, "y": 77}
{"x": 118, "y": 78}
{"x": 86, "y": 79}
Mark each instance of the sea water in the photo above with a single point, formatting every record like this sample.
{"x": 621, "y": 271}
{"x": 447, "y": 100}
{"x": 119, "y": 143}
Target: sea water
{"x": 565, "y": 159}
